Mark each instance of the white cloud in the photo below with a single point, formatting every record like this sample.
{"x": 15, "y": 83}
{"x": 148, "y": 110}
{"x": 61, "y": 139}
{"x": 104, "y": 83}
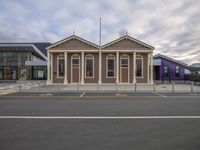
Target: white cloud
{"x": 173, "y": 27}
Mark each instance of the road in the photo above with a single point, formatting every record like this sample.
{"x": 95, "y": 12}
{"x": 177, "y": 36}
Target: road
{"x": 40, "y": 123}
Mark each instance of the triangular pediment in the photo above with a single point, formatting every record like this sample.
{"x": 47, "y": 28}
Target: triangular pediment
{"x": 73, "y": 43}
{"x": 127, "y": 43}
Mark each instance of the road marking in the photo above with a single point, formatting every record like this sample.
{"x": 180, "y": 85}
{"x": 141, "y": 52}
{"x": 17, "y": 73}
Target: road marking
{"x": 8, "y": 91}
{"x": 83, "y": 94}
{"x": 162, "y": 95}
{"x": 99, "y": 117}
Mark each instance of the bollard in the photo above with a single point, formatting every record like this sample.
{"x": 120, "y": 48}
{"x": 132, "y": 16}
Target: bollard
{"x": 192, "y": 86}
{"x": 173, "y": 84}
{"x": 20, "y": 87}
{"x": 78, "y": 87}
{"x": 116, "y": 86}
{"x": 97, "y": 86}
{"x": 154, "y": 87}
{"x": 135, "y": 86}
{"x": 58, "y": 88}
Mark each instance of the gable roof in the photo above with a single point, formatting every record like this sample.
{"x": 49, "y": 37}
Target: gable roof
{"x": 37, "y": 48}
{"x": 170, "y": 59}
{"x": 129, "y": 38}
{"x": 73, "y": 37}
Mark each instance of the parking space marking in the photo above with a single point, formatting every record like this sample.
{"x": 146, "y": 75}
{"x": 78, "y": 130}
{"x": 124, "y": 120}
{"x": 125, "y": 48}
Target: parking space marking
{"x": 99, "y": 117}
{"x": 82, "y": 94}
{"x": 158, "y": 94}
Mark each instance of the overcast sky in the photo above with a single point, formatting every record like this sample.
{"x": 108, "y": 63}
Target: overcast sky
{"x": 171, "y": 26}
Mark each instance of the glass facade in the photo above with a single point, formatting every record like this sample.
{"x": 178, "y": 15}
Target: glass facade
{"x": 12, "y": 67}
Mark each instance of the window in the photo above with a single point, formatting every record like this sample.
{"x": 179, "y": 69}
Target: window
{"x": 177, "y": 71}
{"x": 139, "y": 66}
{"x": 75, "y": 60}
{"x": 124, "y": 60}
{"x": 166, "y": 71}
{"x": 89, "y": 66}
{"x": 110, "y": 66}
{"x": 60, "y": 66}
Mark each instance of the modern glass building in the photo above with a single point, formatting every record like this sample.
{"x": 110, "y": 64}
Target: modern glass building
{"x": 23, "y": 61}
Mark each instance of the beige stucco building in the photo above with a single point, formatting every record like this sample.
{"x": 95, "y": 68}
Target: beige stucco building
{"x": 124, "y": 61}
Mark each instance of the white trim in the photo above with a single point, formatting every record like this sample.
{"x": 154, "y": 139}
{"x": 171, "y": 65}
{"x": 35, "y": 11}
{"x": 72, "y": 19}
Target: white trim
{"x": 48, "y": 68}
{"x": 105, "y": 51}
{"x": 134, "y": 67}
{"x": 107, "y": 66}
{"x": 52, "y": 60}
{"x": 61, "y": 56}
{"x": 124, "y": 67}
{"x": 24, "y": 45}
{"x": 142, "y": 66}
{"x": 100, "y": 68}
{"x": 151, "y": 68}
{"x": 117, "y": 67}
{"x": 129, "y": 38}
{"x": 39, "y": 52}
{"x": 148, "y": 59}
{"x": 72, "y": 68}
{"x": 92, "y": 64}
{"x": 82, "y": 67}
{"x": 73, "y": 37}
{"x": 66, "y": 74}
{"x": 170, "y": 59}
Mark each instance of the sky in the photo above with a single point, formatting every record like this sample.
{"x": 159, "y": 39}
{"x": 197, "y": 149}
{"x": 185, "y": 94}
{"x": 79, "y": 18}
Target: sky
{"x": 171, "y": 26}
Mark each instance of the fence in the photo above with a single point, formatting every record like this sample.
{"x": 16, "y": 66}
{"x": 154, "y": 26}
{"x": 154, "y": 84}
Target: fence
{"x": 59, "y": 88}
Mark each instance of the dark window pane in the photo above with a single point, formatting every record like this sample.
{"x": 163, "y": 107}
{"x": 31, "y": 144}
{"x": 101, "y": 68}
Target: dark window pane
{"x": 89, "y": 67}
{"x": 110, "y": 68}
{"x": 61, "y": 67}
{"x": 75, "y": 61}
{"x": 139, "y": 67}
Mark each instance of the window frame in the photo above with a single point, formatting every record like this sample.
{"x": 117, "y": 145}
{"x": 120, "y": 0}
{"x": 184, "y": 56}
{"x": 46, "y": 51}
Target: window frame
{"x": 140, "y": 57}
{"x": 89, "y": 56}
{"x": 60, "y": 57}
{"x": 179, "y": 73}
{"x": 112, "y": 57}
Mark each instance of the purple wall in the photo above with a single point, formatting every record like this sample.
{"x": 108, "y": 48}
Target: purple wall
{"x": 172, "y": 69}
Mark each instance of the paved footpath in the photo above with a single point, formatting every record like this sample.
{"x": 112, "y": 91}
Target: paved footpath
{"x": 140, "y": 122}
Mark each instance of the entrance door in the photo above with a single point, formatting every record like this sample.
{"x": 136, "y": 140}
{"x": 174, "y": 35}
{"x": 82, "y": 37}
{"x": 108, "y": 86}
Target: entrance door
{"x": 124, "y": 68}
{"x": 75, "y": 68}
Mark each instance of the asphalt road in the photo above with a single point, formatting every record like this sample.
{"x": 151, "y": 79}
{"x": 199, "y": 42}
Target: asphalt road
{"x": 104, "y": 133}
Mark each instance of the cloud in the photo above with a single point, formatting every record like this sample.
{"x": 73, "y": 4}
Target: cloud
{"x": 173, "y": 27}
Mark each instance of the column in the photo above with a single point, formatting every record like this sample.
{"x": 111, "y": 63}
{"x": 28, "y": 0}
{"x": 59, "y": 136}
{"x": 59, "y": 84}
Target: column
{"x": 151, "y": 68}
{"x": 117, "y": 67}
{"x": 100, "y": 69}
{"x": 51, "y": 59}
{"x": 65, "y": 78}
{"x": 48, "y": 68}
{"x": 82, "y": 67}
{"x": 148, "y": 59}
{"x": 134, "y": 67}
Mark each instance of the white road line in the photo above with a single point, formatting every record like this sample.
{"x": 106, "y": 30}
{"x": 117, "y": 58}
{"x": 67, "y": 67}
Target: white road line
{"x": 158, "y": 94}
{"x": 83, "y": 94}
{"x": 99, "y": 117}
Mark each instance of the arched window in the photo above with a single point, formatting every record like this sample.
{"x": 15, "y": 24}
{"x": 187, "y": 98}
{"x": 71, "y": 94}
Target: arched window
{"x": 124, "y": 60}
{"x": 60, "y": 66}
{"x": 110, "y": 67}
{"x": 89, "y": 66}
{"x": 75, "y": 59}
{"x": 139, "y": 66}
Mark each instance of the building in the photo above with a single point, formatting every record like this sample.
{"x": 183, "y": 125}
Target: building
{"x": 23, "y": 61}
{"x": 75, "y": 60}
{"x": 166, "y": 68}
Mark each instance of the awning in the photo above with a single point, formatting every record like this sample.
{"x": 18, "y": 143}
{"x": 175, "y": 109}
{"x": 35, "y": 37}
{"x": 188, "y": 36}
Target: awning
{"x": 35, "y": 63}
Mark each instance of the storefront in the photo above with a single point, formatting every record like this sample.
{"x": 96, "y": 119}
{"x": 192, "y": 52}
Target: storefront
{"x": 23, "y": 61}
